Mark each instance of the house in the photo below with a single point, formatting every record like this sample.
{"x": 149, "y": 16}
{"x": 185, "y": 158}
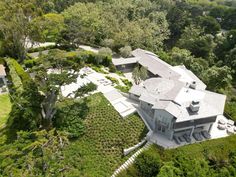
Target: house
{"x": 173, "y": 101}
{"x": 172, "y": 108}
{"x": 3, "y": 81}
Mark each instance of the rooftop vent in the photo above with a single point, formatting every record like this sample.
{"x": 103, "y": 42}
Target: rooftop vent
{"x": 194, "y": 106}
{"x": 193, "y": 85}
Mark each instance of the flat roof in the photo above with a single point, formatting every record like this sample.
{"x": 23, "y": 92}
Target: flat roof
{"x": 124, "y": 61}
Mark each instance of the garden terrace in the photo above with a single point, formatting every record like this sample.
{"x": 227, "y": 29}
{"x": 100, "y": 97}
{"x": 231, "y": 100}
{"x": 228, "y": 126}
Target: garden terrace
{"x": 99, "y": 151}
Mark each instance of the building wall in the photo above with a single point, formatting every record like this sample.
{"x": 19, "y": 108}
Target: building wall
{"x": 2, "y": 81}
{"x": 164, "y": 121}
{"x": 126, "y": 68}
{"x": 134, "y": 97}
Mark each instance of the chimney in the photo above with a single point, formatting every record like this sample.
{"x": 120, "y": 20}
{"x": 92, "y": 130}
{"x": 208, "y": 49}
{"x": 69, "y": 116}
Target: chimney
{"x": 193, "y": 85}
{"x": 194, "y": 106}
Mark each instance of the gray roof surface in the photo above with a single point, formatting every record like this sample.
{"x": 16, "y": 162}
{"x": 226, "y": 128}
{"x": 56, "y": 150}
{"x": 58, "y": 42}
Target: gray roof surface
{"x": 175, "y": 97}
{"x": 123, "y": 61}
{"x": 154, "y": 64}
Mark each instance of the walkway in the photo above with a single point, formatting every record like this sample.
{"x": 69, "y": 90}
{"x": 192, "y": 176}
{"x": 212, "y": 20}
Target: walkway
{"x": 131, "y": 160}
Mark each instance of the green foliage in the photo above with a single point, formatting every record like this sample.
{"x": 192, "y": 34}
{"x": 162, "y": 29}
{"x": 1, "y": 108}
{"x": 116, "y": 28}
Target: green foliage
{"x": 33, "y": 154}
{"x": 139, "y": 73}
{"x": 47, "y": 27}
{"x": 99, "y": 151}
{"x": 113, "y": 80}
{"x": 213, "y": 158}
{"x": 230, "y": 109}
{"x": 69, "y": 117}
{"x": 85, "y": 89}
{"x": 5, "y": 106}
{"x": 148, "y": 163}
{"x": 210, "y": 25}
{"x": 125, "y": 51}
{"x": 124, "y": 89}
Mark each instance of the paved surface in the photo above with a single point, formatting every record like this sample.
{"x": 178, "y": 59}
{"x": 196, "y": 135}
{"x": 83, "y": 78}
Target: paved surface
{"x": 118, "y": 101}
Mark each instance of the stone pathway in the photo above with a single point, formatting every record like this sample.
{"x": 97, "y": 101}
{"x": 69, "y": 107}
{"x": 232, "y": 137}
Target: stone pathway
{"x": 131, "y": 159}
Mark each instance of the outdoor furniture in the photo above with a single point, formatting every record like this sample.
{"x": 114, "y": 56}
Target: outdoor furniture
{"x": 187, "y": 138}
{"x": 197, "y": 136}
{"x": 230, "y": 130}
{"x": 206, "y": 135}
{"x": 222, "y": 122}
{"x": 176, "y": 140}
{"x": 221, "y": 127}
{"x": 230, "y": 122}
{"x": 181, "y": 139}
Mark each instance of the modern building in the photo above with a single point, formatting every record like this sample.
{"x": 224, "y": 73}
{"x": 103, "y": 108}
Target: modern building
{"x": 173, "y": 100}
{"x": 3, "y": 81}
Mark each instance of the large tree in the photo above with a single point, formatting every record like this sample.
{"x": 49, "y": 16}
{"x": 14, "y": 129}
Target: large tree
{"x": 14, "y": 26}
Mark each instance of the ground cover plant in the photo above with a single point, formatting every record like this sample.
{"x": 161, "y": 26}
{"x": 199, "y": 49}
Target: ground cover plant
{"x": 5, "y": 106}
{"x": 99, "y": 151}
{"x": 210, "y": 158}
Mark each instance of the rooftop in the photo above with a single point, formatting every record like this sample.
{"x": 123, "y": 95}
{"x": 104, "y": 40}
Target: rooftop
{"x": 175, "y": 97}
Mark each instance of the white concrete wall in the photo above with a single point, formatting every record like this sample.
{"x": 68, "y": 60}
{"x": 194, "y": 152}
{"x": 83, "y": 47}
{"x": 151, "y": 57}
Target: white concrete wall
{"x": 165, "y": 117}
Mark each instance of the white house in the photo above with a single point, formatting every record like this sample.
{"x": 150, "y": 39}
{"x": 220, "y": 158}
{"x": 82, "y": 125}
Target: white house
{"x": 173, "y": 100}
{"x": 3, "y": 81}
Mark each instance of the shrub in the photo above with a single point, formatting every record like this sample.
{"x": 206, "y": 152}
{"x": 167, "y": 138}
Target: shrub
{"x": 30, "y": 63}
{"x": 124, "y": 89}
{"x": 127, "y": 82}
{"x": 112, "y": 68}
{"x": 69, "y": 117}
{"x": 105, "y": 51}
{"x": 108, "y": 43}
{"x": 148, "y": 163}
{"x": 125, "y": 51}
{"x": 113, "y": 80}
{"x": 230, "y": 109}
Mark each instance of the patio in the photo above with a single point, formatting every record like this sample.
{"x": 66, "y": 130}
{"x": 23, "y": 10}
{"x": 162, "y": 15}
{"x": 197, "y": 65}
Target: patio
{"x": 87, "y": 75}
{"x": 215, "y": 133}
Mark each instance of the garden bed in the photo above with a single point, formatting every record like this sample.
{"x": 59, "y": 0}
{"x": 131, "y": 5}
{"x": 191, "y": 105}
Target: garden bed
{"x": 99, "y": 151}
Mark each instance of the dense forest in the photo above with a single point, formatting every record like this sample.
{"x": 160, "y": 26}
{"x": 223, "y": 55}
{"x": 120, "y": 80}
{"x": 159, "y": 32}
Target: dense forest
{"x": 39, "y": 141}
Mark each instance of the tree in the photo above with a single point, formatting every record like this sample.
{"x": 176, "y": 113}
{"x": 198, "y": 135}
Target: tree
{"x": 14, "y": 26}
{"x": 47, "y": 27}
{"x": 217, "y": 77}
{"x": 210, "y": 25}
{"x": 49, "y": 85}
{"x": 125, "y": 51}
{"x": 195, "y": 41}
{"x": 139, "y": 73}
{"x": 148, "y": 163}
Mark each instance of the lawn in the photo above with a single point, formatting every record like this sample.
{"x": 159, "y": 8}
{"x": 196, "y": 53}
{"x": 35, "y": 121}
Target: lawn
{"x": 5, "y": 108}
{"x": 99, "y": 151}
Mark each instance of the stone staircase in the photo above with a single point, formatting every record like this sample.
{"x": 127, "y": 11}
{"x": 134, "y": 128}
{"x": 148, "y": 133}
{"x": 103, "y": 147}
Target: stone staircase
{"x": 131, "y": 159}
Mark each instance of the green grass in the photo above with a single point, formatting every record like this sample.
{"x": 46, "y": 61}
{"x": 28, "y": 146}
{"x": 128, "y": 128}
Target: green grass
{"x": 99, "y": 151}
{"x": 5, "y": 108}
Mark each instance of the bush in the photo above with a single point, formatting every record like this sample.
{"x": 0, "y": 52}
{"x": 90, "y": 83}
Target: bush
{"x": 127, "y": 82}
{"x": 69, "y": 117}
{"x": 113, "y": 80}
{"x": 30, "y": 63}
{"x": 125, "y": 51}
{"x": 108, "y": 43}
{"x": 124, "y": 89}
{"x": 112, "y": 68}
{"x": 105, "y": 51}
{"x": 230, "y": 109}
{"x": 148, "y": 163}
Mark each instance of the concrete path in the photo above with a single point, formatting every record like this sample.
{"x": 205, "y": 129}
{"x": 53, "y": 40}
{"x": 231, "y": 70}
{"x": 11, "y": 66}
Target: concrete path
{"x": 131, "y": 160}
